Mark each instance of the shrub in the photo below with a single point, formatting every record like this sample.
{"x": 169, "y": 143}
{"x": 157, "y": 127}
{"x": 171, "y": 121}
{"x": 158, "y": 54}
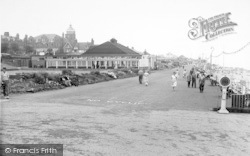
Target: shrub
{"x": 40, "y": 79}
{"x": 67, "y": 72}
{"x": 95, "y": 72}
{"x": 135, "y": 70}
{"x": 125, "y": 70}
{"x": 44, "y": 74}
{"x": 82, "y": 80}
{"x": 90, "y": 81}
{"x": 108, "y": 78}
{"x": 74, "y": 80}
{"x": 53, "y": 77}
{"x": 17, "y": 76}
{"x": 121, "y": 74}
{"x": 27, "y": 76}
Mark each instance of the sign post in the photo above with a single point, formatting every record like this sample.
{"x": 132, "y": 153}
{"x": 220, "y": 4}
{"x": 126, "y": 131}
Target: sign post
{"x": 224, "y": 82}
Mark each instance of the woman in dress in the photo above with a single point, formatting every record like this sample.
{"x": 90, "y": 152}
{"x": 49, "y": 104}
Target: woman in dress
{"x": 145, "y": 77}
{"x": 174, "y": 81}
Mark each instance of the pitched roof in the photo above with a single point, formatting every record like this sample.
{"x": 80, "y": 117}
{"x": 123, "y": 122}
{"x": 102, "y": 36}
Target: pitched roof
{"x": 49, "y": 36}
{"x": 70, "y": 42}
{"x": 84, "y": 45}
{"x": 109, "y": 48}
{"x": 145, "y": 53}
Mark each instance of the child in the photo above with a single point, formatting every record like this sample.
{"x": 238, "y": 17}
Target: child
{"x": 145, "y": 77}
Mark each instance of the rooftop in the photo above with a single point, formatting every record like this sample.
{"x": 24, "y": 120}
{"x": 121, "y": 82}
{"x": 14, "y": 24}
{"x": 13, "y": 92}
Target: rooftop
{"x": 111, "y": 48}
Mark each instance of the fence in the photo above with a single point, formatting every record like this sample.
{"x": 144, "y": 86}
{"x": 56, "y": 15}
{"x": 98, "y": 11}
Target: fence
{"x": 241, "y": 101}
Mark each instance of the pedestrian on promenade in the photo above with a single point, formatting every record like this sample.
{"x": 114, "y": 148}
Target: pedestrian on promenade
{"x": 140, "y": 73}
{"x": 189, "y": 78}
{"x": 184, "y": 73}
{"x": 192, "y": 70}
{"x": 174, "y": 81}
{"x": 201, "y": 82}
{"x": 5, "y": 83}
{"x": 145, "y": 77}
{"x": 193, "y": 80}
{"x": 177, "y": 74}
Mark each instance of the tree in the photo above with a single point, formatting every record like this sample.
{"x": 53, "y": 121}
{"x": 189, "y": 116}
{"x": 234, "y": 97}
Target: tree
{"x": 60, "y": 50}
{"x": 14, "y": 47}
{"x": 28, "y": 49}
{"x": 5, "y": 47}
{"x": 50, "y": 52}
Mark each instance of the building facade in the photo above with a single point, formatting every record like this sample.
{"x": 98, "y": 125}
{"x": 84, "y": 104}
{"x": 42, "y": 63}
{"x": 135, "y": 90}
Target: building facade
{"x": 147, "y": 61}
{"x": 109, "y": 55}
{"x": 44, "y": 43}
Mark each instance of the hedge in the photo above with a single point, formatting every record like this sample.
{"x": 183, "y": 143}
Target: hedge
{"x": 42, "y": 81}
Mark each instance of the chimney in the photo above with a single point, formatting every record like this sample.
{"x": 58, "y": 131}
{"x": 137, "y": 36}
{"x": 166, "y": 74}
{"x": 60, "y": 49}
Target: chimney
{"x": 92, "y": 42}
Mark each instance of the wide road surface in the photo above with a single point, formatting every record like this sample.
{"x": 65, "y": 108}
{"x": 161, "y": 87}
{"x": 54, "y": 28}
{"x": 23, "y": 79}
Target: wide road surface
{"x": 123, "y": 117}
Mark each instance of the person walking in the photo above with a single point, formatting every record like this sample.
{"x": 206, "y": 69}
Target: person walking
{"x": 201, "y": 82}
{"x": 177, "y": 74}
{"x": 189, "y": 78}
{"x": 184, "y": 73}
{"x": 174, "y": 81}
{"x": 5, "y": 83}
{"x": 193, "y": 79}
{"x": 140, "y": 73}
{"x": 145, "y": 77}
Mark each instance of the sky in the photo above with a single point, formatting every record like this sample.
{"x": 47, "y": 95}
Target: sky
{"x": 157, "y": 26}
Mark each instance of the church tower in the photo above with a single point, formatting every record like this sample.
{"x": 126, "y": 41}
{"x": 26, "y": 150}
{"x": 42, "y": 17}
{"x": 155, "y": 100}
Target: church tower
{"x": 70, "y": 34}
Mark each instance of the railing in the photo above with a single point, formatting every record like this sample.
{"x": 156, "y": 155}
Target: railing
{"x": 241, "y": 101}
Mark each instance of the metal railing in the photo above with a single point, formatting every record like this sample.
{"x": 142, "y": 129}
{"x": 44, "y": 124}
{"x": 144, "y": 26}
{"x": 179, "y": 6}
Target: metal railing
{"x": 241, "y": 101}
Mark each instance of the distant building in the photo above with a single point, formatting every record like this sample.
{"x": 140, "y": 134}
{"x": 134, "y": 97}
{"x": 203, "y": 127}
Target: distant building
{"x": 46, "y": 42}
{"x": 147, "y": 60}
{"x": 67, "y": 43}
{"x": 107, "y": 55}
{"x": 49, "y": 43}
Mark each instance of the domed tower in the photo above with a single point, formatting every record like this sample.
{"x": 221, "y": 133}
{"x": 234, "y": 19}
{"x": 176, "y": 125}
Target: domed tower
{"x": 70, "y": 34}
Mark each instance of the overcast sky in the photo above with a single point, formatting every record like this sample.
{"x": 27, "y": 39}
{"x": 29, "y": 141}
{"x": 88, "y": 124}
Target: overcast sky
{"x": 159, "y": 26}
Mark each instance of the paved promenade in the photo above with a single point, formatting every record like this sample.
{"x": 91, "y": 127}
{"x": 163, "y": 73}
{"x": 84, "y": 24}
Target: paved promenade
{"x": 122, "y": 117}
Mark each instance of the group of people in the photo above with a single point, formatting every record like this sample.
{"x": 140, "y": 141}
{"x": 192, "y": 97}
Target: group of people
{"x": 191, "y": 78}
